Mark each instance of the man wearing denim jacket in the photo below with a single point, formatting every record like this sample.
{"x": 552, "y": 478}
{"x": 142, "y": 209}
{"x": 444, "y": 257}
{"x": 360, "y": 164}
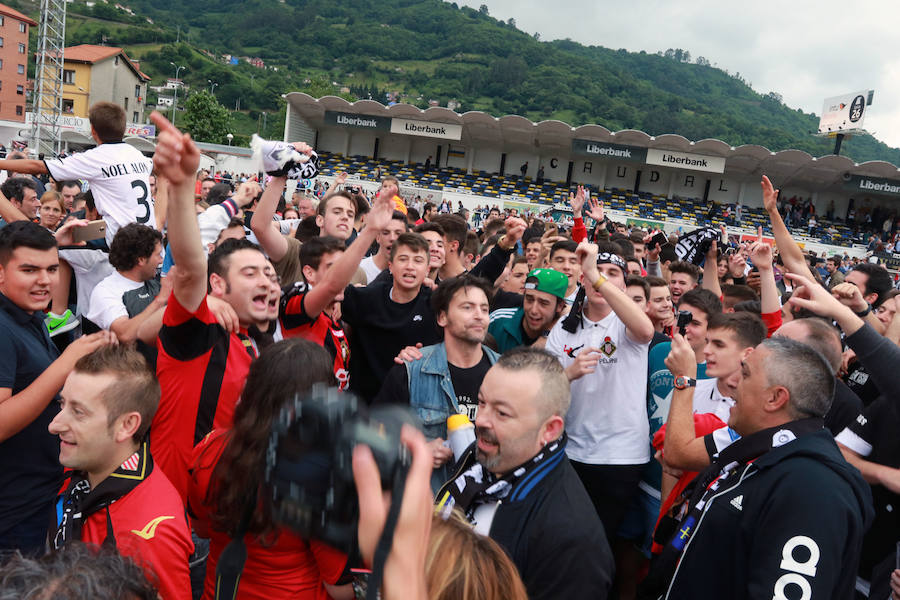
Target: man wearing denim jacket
{"x": 443, "y": 379}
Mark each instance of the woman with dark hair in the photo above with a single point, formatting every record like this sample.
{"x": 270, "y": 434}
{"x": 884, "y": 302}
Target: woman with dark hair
{"x": 227, "y": 479}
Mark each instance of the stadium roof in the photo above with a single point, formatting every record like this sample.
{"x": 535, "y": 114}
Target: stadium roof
{"x": 793, "y": 168}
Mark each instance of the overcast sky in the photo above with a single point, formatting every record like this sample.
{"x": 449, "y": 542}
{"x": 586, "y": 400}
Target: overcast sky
{"x": 806, "y": 51}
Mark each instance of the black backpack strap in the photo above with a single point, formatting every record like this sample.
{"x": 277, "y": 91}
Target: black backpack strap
{"x": 231, "y": 562}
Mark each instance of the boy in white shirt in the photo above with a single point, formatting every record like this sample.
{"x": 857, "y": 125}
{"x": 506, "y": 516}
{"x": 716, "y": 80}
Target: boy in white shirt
{"x": 603, "y": 346}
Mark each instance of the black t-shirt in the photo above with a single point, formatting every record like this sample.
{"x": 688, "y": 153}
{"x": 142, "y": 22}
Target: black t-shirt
{"x": 30, "y": 475}
{"x": 844, "y": 408}
{"x": 861, "y": 384}
{"x": 380, "y": 328}
{"x": 658, "y": 338}
{"x": 466, "y": 383}
{"x": 874, "y": 435}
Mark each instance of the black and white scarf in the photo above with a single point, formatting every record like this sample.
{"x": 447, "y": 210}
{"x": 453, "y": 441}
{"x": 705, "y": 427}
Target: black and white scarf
{"x": 475, "y": 485}
{"x": 79, "y": 501}
{"x": 692, "y": 247}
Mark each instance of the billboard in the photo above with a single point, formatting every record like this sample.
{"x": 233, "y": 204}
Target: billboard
{"x": 872, "y": 185}
{"x": 845, "y": 112}
{"x": 357, "y": 121}
{"x": 685, "y": 160}
{"x": 423, "y": 128}
{"x": 619, "y": 151}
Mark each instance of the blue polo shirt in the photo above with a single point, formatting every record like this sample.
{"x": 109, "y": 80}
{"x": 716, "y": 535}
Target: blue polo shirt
{"x": 31, "y": 474}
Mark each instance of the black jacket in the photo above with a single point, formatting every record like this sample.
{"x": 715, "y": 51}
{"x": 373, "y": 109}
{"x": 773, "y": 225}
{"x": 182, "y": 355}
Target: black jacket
{"x": 793, "y": 518}
{"x": 555, "y": 538}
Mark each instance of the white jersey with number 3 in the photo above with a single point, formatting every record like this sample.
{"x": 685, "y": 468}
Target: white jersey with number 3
{"x": 119, "y": 178}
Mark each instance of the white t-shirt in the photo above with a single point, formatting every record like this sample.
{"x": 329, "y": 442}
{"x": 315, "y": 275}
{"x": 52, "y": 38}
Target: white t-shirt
{"x": 90, "y": 267}
{"x": 607, "y": 419}
{"x": 106, "y": 303}
{"x": 119, "y": 178}
{"x": 708, "y": 399}
{"x": 370, "y": 268}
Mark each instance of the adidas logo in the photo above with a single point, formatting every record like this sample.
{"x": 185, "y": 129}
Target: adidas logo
{"x": 736, "y": 502}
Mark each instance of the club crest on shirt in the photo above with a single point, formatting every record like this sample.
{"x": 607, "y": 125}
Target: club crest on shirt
{"x": 608, "y": 347}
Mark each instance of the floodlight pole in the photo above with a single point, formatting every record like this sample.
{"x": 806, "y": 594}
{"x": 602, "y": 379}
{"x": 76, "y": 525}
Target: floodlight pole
{"x": 837, "y": 143}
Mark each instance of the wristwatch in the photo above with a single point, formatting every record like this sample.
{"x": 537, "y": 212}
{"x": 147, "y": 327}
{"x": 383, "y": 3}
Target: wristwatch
{"x": 683, "y": 382}
{"x": 865, "y": 312}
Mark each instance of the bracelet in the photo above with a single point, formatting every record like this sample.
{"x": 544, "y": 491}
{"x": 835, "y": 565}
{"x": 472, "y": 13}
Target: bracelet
{"x": 600, "y": 281}
{"x": 502, "y": 243}
{"x": 863, "y": 313}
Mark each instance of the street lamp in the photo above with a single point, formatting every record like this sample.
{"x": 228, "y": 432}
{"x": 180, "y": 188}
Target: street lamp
{"x": 230, "y": 137}
{"x": 212, "y": 86}
{"x": 175, "y": 97}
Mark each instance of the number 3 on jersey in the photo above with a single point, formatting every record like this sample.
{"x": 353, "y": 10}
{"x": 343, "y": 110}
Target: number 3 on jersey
{"x": 143, "y": 195}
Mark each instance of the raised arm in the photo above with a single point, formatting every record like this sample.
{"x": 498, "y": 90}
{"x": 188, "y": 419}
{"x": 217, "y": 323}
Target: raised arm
{"x": 683, "y": 449}
{"x": 341, "y": 272}
{"x": 177, "y": 159}
{"x": 269, "y": 238}
{"x": 761, "y": 254}
{"x": 711, "y": 270}
{"x": 791, "y": 254}
{"x": 638, "y": 325}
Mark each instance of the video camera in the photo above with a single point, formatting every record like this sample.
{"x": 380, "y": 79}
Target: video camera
{"x": 309, "y": 468}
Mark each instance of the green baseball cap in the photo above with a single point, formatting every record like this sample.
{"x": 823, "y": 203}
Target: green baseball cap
{"x": 550, "y": 281}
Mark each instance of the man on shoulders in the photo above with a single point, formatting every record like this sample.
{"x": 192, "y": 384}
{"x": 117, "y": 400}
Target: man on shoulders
{"x": 517, "y": 485}
{"x": 115, "y": 495}
{"x": 117, "y": 173}
{"x": 544, "y": 302}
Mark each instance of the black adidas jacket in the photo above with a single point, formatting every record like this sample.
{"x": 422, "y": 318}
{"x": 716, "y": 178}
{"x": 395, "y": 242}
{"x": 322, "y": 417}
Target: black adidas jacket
{"x": 789, "y": 525}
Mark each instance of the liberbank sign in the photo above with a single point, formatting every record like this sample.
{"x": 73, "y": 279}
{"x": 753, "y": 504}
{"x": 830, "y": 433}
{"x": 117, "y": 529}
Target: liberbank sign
{"x": 872, "y": 185}
{"x": 650, "y": 156}
{"x": 446, "y": 131}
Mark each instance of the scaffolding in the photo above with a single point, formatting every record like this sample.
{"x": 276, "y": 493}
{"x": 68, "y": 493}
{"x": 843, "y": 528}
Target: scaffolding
{"x": 48, "y": 74}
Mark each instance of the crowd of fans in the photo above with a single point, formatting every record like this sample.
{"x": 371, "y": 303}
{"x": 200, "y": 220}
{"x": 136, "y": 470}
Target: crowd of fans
{"x": 654, "y": 416}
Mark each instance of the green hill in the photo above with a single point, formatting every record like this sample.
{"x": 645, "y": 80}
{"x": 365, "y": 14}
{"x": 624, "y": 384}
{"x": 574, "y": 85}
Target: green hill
{"x": 432, "y": 50}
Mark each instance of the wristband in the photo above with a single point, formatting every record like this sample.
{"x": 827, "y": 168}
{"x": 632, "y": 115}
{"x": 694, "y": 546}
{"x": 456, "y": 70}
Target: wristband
{"x": 600, "y": 281}
{"x": 864, "y": 313}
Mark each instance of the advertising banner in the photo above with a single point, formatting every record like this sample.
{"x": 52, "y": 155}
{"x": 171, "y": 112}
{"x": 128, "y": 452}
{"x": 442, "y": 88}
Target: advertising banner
{"x": 445, "y": 131}
{"x": 605, "y": 149}
{"x": 358, "y": 121}
{"x": 684, "y": 160}
{"x": 843, "y": 112}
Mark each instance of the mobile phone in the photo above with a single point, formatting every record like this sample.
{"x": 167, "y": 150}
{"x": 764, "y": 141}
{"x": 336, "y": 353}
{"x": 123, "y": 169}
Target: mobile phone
{"x": 659, "y": 238}
{"x": 92, "y": 231}
{"x": 684, "y": 317}
{"x": 730, "y": 250}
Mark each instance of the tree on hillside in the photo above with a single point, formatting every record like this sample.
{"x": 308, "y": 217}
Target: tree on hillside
{"x": 205, "y": 119}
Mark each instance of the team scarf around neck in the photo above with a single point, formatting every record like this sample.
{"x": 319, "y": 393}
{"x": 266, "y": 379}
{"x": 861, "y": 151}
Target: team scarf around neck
{"x": 476, "y": 485}
{"x": 79, "y": 501}
{"x": 676, "y": 531}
